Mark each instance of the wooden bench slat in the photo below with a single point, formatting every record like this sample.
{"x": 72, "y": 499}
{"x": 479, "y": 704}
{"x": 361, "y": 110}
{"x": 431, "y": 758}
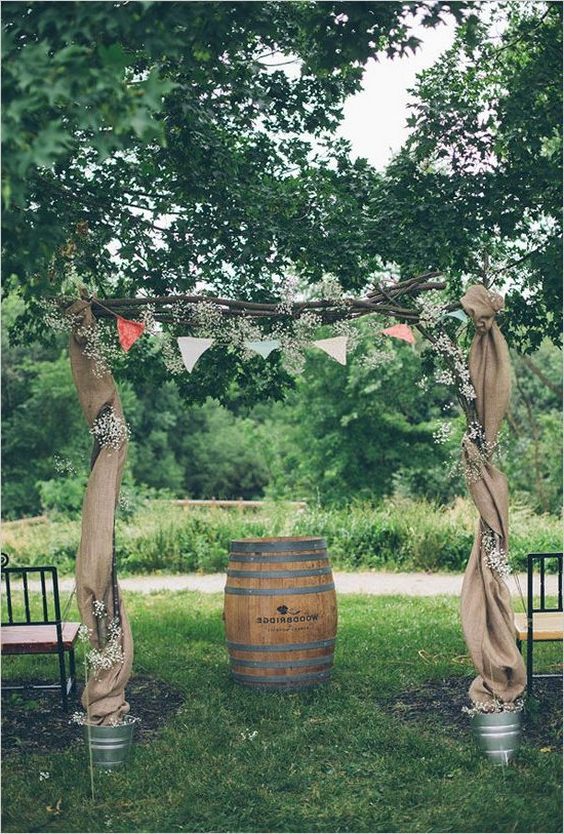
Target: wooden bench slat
{"x": 36, "y": 639}
{"x": 547, "y": 625}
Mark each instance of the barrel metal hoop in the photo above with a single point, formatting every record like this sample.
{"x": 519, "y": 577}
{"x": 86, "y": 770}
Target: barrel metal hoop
{"x": 259, "y": 560}
{"x": 279, "y": 592}
{"x": 277, "y": 546}
{"x": 277, "y": 574}
{"x": 324, "y": 660}
{"x": 273, "y": 647}
{"x": 282, "y": 679}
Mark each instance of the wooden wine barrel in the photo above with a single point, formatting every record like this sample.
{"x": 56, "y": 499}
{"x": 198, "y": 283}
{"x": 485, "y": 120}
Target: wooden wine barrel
{"x": 280, "y": 612}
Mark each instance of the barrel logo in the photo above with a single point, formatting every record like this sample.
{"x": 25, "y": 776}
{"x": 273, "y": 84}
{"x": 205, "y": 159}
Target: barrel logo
{"x": 289, "y": 616}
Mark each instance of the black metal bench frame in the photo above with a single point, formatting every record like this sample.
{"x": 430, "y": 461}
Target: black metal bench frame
{"x": 532, "y": 609}
{"x": 66, "y": 684}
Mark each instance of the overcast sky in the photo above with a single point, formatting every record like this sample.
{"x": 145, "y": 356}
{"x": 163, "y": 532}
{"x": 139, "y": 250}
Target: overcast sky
{"x": 375, "y": 118}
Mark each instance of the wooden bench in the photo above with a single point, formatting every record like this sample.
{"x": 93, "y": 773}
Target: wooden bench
{"x": 33, "y": 625}
{"x": 541, "y": 622}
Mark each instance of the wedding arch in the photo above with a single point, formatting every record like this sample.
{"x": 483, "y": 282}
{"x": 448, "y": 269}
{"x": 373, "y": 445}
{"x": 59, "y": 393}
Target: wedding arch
{"x": 481, "y": 383}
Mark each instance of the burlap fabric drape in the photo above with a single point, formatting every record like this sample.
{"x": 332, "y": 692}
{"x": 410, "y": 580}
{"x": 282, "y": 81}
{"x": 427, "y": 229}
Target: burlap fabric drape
{"x": 104, "y": 695}
{"x": 487, "y": 617}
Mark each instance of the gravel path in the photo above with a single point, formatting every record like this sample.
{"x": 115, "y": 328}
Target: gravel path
{"x": 366, "y": 582}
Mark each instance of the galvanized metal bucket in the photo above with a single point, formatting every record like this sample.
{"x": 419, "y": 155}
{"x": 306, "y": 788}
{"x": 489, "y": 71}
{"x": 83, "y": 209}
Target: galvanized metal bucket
{"x": 498, "y": 734}
{"x": 109, "y": 746}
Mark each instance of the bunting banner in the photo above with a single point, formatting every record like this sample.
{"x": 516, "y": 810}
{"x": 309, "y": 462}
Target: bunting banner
{"x": 336, "y": 348}
{"x": 400, "y": 331}
{"x": 191, "y": 350}
{"x": 458, "y": 314}
{"x": 128, "y": 332}
{"x": 263, "y": 348}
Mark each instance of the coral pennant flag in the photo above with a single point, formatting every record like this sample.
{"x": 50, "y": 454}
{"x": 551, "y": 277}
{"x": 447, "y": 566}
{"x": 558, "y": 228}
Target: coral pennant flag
{"x": 400, "y": 331}
{"x": 129, "y": 331}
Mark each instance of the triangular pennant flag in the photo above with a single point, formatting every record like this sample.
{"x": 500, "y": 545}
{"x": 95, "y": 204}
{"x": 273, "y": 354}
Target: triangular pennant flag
{"x": 265, "y": 348}
{"x": 458, "y": 314}
{"x": 191, "y": 350}
{"x": 336, "y": 348}
{"x": 128, "y": 331}
{"x": 400, "y": 331}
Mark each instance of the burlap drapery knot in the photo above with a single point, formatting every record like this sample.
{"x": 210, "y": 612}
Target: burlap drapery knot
{"x": 486, "y": 611}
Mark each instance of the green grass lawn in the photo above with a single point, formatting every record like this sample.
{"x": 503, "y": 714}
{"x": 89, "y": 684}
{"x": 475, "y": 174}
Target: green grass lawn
{"x": 335, "y": 759}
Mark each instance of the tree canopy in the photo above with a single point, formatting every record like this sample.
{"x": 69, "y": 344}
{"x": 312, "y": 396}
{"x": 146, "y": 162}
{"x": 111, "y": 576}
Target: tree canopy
{"x": 161, "y": 147}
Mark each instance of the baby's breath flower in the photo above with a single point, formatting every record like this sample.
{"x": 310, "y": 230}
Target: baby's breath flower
{"x": 99, "y": 608}
{"x": 207, "y": 319}
{"x": 430, "y": 310}
{"x": 110, "y": 430}
{"x": 484, "y": 708}
{"x": 63, "y": 466}
{"x": 376, "y": 358}
{"x": 442, "y": 433}
{"x": 495, "y": 556}
{"x": 329, "y": 288}
{"x": 83, "y": 633}
{"x": 111, "y": 655}
{"x": 444, "y": 377}
{"x": 171, "y": 357}
{"x": 148, "y": 319}
{"x": 289, "y": 291}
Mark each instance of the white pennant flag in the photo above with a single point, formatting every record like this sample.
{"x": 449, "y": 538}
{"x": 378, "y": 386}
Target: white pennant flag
{"x": 265, "y": 348}
{"x": 191, "y": 349}
{"x": 336, "y": 348}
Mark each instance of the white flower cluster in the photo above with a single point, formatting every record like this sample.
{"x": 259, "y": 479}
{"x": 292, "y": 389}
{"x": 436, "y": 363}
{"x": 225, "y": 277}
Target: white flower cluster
{"x": 55, "y": 319}
{"x": 249, "y": 735}
{"x": 63, "y": 466}
{"x": 207, "y": 319}
{"x": 423, "y": 383}
{"x": 171, "y": 355}
{"x": 430, "y": 309}
{"x": 124, "y": 721}
{"x": 99, "y": 608}
{"x": 289, "y": 291}
{"x": 293, "y": 342}
{"x": 345, "y": 327}
{"x": 444, "y": 377}
{"x": 110, "y": 655}
{"x": 453, "y": 356}
{"x": 101, "y": 346}
{"x": 110, "y": 430}
{"x": 495, "y": 556}
{"x": 148, "y": 319}
{"x": 329, "y": 288}
{"x": 239, "y": 330}
{"x": 377, "y": 358}
{"x": 483, "y": 708}
{"x": 83, "y": 633}
{"x": 442, "y": 433}
{"x": 124, "y": 502}
{"x": 81, "y": 718}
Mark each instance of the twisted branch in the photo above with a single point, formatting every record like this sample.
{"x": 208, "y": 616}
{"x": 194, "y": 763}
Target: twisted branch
{"x": 384, "y": 302}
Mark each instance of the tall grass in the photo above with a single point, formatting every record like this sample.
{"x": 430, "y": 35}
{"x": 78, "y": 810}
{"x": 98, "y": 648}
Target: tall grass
{"x": 394, "y": 535}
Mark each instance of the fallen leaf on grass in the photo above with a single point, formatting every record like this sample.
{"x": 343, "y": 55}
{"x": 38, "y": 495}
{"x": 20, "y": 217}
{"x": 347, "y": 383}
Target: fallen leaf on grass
{"x": 56, "y": 809}
{"x": 546, "y": 750}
